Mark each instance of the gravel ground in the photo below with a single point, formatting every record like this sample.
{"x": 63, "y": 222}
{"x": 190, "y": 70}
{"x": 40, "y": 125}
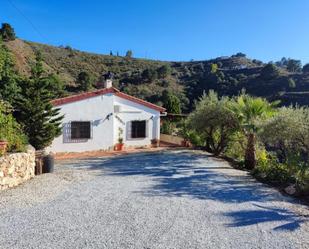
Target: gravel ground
{"x": 172, "y": 199}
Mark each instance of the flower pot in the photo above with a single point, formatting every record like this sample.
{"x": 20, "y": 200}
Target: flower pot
{"x": 119, "y": 147}
{"x": 3, "y": 147}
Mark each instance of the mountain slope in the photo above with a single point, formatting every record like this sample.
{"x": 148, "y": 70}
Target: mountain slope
{"x": 187, "y": 80}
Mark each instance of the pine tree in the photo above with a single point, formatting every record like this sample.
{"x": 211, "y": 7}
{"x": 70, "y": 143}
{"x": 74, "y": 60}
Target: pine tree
{"x": 40, "y": 120}
{"x": 7, "y": 32}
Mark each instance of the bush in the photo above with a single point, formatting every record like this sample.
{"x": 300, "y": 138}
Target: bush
{"x": 288, "y": 132}
{"x": 168, "y": 127}
{"x": 149, "y": 74}
{"x": 164, "y": 71}
{"x": 269, "y": 71}
{"x": 273, "y": 171}
{"x": 10, "y": 130}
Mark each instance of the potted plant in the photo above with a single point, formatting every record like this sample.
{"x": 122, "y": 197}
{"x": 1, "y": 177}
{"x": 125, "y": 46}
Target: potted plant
{"x": 3, "y": 146}
{"x": 120, "y": 144}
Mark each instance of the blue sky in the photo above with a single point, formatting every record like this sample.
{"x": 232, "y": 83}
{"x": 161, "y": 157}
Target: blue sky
{"x": 167, "y": 29}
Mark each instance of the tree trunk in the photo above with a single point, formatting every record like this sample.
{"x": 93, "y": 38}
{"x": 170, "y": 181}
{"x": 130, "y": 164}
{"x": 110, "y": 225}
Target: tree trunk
{"x": 250, "y": 159}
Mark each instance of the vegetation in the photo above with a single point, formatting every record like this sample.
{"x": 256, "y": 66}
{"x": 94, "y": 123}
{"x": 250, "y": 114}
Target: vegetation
{"x": 7, "y": 33}
{"x": 148, "y": 79}
{"x": 272, "y": 142}
{"x": 129, "y": 54}
{"x": 269, "y": 71}
{"x": 214, "y": 121}
{"x": 171, "y": 102}
{"x": 84, "y": 81}
{"x": 249, "y": 112}
{"x": 40, "y": 120}
{"x": 10, "y": 130}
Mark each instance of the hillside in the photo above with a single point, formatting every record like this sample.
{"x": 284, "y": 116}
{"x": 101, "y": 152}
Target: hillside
{"x": 187, "y": 80}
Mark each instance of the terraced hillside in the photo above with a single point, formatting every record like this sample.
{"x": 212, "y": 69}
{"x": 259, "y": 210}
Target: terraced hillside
{"x": 144, "y": 78}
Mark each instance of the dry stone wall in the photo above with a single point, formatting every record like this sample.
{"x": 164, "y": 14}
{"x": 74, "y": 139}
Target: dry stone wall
{"x": 16, "y": 168}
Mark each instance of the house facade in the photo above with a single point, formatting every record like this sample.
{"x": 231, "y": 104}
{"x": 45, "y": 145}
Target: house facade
{"x": 98, "y": 120}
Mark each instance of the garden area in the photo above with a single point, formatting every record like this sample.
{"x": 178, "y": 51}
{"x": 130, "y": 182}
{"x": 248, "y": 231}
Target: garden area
{"x": 271, "y": 142}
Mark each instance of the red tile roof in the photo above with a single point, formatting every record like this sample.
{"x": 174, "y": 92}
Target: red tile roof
{"x": 86, "y": 95}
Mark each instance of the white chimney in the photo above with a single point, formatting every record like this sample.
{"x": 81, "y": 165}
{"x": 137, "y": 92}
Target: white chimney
{"x": 108, "y": 83}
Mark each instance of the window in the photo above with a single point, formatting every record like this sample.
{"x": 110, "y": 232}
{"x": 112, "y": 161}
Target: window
{"x": 80, "y": 129}
{"x": 138, "y": 129}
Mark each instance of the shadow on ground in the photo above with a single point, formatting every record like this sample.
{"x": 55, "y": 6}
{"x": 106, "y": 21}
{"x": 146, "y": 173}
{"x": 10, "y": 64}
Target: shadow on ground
{"x": 181, "y": 173}
{"x": 266, "y": 214}
{"x": 197, "y": 176}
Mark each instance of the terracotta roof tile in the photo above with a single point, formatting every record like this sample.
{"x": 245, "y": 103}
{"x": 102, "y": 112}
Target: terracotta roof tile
{"x": 86, "y": 95}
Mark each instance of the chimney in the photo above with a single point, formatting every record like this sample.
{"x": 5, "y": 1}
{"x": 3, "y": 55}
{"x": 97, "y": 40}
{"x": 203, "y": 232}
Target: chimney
{"x": 108, "y": 83}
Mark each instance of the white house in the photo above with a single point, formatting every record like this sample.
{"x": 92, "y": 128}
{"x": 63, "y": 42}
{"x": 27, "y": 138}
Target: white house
{"x": 96, "y": 120}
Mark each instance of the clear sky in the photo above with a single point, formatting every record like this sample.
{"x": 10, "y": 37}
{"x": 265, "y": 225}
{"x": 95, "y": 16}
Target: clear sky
{"x": 167, "y": 29}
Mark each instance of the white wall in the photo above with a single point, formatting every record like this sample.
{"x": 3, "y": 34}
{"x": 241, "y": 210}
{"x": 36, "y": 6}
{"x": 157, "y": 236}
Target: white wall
{"x": 96, "y": 110}
{"x": 131, "y": 111}
{"x": 105, "y": 131}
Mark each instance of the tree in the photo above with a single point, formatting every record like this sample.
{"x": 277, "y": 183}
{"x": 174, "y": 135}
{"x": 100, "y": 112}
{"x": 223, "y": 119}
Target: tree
{"x": 34, "y": 110}
{"x": 288, "y": 132}
{"x": 9, "y": 87}
{"x": 269, "y": 71}
{"x": 282, "y": 63}
{"x": 129, "y": 54}
{"x": 306, "y": 68}
{"x": 294, "y": 65}
{"x": 164, "y": 71}
{"x": 249, "y": 111}
{"x": 149, "y": 74}
{"x": 84, "y": 81}
{"x": 214, "y": 121}
{"x": 7, "y": 32}
{"x": 171, "y": 102}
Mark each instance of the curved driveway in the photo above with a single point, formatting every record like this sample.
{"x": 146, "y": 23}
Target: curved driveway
{"x": 172, "y": 199}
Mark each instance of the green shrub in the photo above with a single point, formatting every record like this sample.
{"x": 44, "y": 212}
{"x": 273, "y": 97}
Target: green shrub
{"x": 168, "y": 127}
{"x": 10, "y": 130}
{"x": 272, "y": 171}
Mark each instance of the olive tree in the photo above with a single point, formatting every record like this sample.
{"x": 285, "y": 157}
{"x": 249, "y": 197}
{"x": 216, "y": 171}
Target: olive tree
{"x": 288, "y": 132}
{"x": 214, "y": 121}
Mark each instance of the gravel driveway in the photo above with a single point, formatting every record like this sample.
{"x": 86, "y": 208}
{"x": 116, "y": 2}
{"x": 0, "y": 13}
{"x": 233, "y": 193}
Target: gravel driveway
{"x": 172, "y": 199}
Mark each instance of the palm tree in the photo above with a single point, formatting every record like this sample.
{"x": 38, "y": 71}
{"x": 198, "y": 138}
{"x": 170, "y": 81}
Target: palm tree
{"x": 250, "y": 111}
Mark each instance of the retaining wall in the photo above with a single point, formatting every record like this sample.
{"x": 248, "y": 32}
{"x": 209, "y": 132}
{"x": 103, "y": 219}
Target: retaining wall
{"x": 16, "y": 168}
{"x": 171, "y": 139}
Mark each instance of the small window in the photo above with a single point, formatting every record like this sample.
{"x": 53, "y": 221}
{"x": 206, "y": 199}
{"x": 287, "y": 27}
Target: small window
{"x": 138, "y": 129}
{"x": 80, "y": 130}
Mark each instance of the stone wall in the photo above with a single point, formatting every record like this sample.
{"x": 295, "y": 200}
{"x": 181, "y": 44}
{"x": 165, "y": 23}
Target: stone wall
{"x": 16, "y": 168}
